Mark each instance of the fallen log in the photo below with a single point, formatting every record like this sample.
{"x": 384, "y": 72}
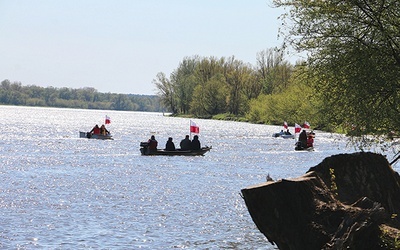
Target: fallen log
{"x": 346, "y": 201}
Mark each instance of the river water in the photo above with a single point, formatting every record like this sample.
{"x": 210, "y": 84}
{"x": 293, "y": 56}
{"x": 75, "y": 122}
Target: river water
{"x": 58, "y": 191}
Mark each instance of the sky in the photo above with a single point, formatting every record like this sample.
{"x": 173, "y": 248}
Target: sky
{"x": 119, "y": 46}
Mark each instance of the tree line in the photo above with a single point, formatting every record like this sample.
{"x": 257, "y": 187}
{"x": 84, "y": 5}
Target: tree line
{"x": 350, "y": 81}
{"x": 207, "y": 86}
{"x": 270, "y": 92}
{"x": 14, "y": 93}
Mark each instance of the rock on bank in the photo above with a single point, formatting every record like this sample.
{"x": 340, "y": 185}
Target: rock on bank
{"x": 347, "y": 201}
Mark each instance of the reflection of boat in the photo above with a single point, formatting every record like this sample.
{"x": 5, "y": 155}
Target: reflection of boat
{"x": 95, "y": 136}
{"x": 283, "y": 135}
{"x": 145, "y": 151}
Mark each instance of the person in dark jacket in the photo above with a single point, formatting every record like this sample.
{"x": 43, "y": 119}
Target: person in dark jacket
{"x": 186, "y": 144}
{"x": 196, "y": 143}
{"x": 170, "y": 146}
{"x": 153, "y": 143}
{"x": 303, "y": 138}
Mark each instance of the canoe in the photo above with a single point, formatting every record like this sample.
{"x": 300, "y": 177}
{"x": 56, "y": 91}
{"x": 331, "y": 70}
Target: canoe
{"x": 144, "y": 150}
{"x": 285, "y": 136}
{"x": 276, "y": 134}
{"x": 95, "y": 136}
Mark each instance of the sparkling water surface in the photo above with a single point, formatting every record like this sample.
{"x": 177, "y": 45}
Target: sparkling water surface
{"x": 59, "y": 191}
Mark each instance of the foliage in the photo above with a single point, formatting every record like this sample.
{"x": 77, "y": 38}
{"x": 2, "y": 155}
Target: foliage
{"x": 209, "y": 98}
{"x": 208, "y": 86}
{"x": 166, "y": 92}
{"x": 390, "y": 237}
{"x": 85, "y": 98}
{"x": 295, "y": 104}
{"x": 354, "y": 55}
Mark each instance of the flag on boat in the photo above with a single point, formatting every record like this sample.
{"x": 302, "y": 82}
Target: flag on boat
{"x": 297, "y": 128}
{"x": 306, "y": 125}
{"x": 194, "y": 128}
{"x": 285, "y": 125}
{"x": 108, "y": 120}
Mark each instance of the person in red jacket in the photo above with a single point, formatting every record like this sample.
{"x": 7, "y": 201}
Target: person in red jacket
{"x": 95, "y": 130}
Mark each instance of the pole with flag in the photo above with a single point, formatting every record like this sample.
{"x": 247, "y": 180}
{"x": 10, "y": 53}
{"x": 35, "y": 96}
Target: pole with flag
{"x": 297, "y": 129}
{"x": 306, "y": 125}
{"x": 193, "y": 128}
{"x": 108, "y": 120}
{"x": 285, "y": 125}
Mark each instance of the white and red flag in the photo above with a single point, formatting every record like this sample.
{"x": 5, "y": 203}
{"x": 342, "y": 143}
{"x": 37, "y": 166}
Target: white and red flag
{"x": 285, "y": 125}
{"x": 306, "y": 125}
{"x": 297, "y": 128}
{"x": 194, "y": 128}
{"x": 108, "y": 120}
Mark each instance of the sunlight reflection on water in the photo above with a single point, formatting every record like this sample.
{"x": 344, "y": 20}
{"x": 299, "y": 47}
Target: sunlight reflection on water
{"x": 61, "y": 191}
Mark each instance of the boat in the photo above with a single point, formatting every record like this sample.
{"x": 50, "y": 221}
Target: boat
{"x": 287, "y": 136}
{"x": 145, "y": 151}
{"x": 283, "y": 135}
{"x": 95, "y": 136}
{"x": 300, "y": 147}
{"x": 276, "y": 134}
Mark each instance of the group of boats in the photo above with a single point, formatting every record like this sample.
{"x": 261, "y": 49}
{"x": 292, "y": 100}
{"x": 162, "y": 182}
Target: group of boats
{"x": 144, "y": 146}
{"x": 303, "y": 144}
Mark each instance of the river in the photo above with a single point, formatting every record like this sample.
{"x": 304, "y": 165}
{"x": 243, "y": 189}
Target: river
{"x": 59, "y": 191}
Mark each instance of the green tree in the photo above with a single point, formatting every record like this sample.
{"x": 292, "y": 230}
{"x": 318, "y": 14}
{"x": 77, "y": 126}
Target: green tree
{"x": 272, "y": 70}
{"x": 235, "y": 72}
{"x": 295, "y": 104}
{"x": 122, "y": 102}
{"x": 166, "y": 92}
{"x": 210, "y": 98}
{"x": 354, "y": 53}
{"x": 184, "y": 81}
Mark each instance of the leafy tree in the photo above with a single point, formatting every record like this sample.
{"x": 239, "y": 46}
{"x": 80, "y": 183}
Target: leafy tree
{"x": 210, "y": 93}
{"x": 184, "y": 82}
{"x": 166, "y": 92}
{"x": 235, "y": 73}
{"x": 354, "y": 53}
{"x": 208, "y": 86}
{"x": 294, "y": 104}
{"x": 5, "y": 85}
{"x": 273, "y": 72}
{"x": 121, "y": 102}
{"x": 210, "y": 98}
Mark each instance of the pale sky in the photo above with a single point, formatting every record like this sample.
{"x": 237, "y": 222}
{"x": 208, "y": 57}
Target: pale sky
{"x": 119, "y": 46}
